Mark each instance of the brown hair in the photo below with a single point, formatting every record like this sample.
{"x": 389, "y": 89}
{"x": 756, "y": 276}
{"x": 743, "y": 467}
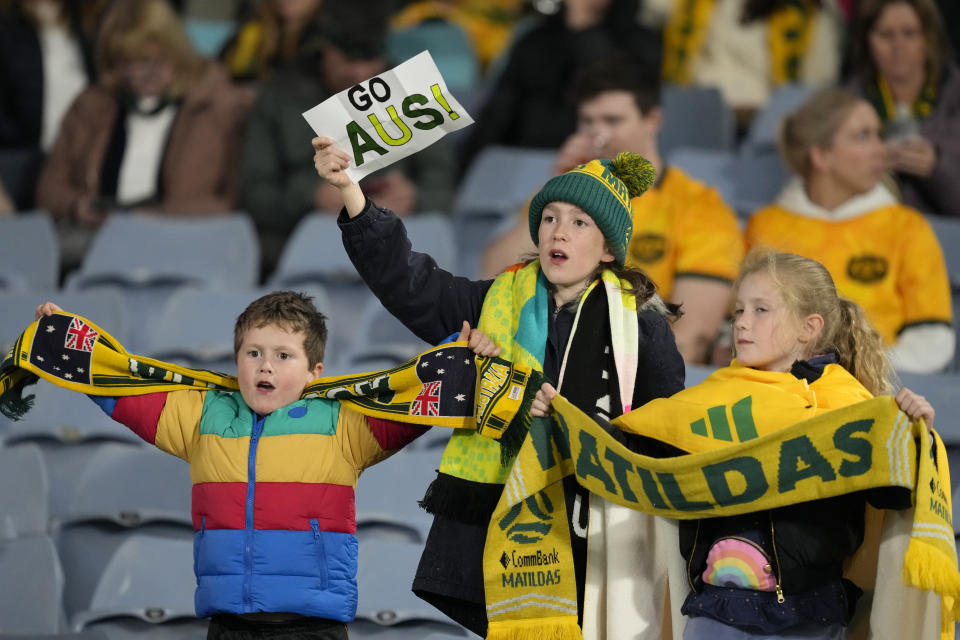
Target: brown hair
{"x": 931, "y": 22}
{"x": 813, "y": 124}
{"x": 808, "y": 288}
{"x": 290, "y": 310}
{"x": 130, "y": 26}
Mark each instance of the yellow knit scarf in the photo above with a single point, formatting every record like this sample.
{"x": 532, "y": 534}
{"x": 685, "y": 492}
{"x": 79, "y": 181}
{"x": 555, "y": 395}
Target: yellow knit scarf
{"x": 789, "y": 36}
{"x": 446, "y": 386}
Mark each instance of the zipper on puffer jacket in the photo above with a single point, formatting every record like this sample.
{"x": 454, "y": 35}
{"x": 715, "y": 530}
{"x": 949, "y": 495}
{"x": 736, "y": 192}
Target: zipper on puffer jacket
{"x": 251, "y": 490}
{"x": 321, "y": 552}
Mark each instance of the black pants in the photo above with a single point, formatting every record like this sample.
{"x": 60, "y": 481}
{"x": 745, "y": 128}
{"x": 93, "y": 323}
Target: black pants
{"x": 230, "y": 627}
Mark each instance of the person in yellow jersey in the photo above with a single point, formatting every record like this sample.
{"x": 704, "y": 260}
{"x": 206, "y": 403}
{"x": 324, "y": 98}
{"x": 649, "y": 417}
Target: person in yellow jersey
{"x": 836, "y": 210}
{"x": 685, "y": 237}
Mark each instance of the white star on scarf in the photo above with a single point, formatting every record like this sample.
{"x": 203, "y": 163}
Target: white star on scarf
{"x": 466, "y": 361}
{"x": 441, "y": 371}
{"x": 39, "y": 358}
{"x": 80, "y": 370}
{"x": 425, "y": 364}
{"x": 68, "y": 376}
{"x": 460, "y": 397}
{"x": 65, "y": 357}
{"x": 51, "y": 328}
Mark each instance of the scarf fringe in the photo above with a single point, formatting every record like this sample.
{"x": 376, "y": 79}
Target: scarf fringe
{"x": 925, "y": 568}
{"x": 556, "y": 628}
{"x": 13, "y": 404}
{"x": 516, "y": 432}
{"x": 461, "y": 500}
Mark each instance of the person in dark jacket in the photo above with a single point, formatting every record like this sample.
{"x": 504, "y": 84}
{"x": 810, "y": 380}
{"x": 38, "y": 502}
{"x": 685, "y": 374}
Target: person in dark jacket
{"x": 565, "y": 301}
{"x": 530, "y": 106}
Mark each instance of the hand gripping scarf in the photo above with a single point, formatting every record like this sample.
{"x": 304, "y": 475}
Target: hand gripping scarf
{"x": 445, "y": 386}
{"x": 752, "y": 467}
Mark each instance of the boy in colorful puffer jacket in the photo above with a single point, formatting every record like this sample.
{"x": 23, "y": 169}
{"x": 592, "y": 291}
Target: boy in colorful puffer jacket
{"x": 275, "y": 549}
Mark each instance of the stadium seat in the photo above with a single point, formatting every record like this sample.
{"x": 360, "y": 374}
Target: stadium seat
{"x": 104, "y": 307}
{"x": 208, "y": 36}
{"x": 88, "y": 549}
{"x": 695, "y": 117}
{"x": 449, "y": 46}
{"x": 948, "y": 233}
{"x": 144, "y": 250}
{"x": 33, "y": 586}
{"x": 746, "y": 182}
{"x": 148, "y": 578}
{"x": 131, "y": 486}
{"x": 500, "y": 180}
{"x": 717, "y": 169}
{"x": 386, "y": 570}
{"x": 195, "y": 327}
{"x": 24, "y": 492}
{"x": 380, "y": 337}
{"x": 764, "y": 132}
{"x": 387, "y": 496}
{"x": 63, "y": 416}
{"x": 941, "y": 391}
{"x": 29, "y": 252}
{"x": 433, "y": 234}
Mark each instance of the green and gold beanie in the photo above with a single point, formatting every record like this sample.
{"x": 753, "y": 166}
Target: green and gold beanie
{"x": 603, "y": 189}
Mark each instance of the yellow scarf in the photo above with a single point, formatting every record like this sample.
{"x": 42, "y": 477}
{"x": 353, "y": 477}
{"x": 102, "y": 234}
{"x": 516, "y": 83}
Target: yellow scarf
{"x": 867, "y": 445}
{"x": 789, "y": 36}
{"x": 446, "y": 386}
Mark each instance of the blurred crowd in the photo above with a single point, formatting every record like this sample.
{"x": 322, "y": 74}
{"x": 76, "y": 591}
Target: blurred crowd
{"x": 193, "y": 108}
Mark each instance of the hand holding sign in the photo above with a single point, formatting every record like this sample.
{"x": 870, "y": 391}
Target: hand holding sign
{"x": 384, "y": 119}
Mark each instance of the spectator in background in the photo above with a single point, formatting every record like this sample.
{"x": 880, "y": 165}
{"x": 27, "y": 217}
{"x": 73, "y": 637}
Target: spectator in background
{"x": 46, "y": 59}
{"x": 278, "y": 184}
{"x": 748, "y": 48}
{"x": 684, "y": 236}
{"x": 903, "y": 69}
{"x": 159, "y": 132}
{"x": 280, "y": 34}
{"x": 531, "y": 106}
{"x": 881, "y": 254}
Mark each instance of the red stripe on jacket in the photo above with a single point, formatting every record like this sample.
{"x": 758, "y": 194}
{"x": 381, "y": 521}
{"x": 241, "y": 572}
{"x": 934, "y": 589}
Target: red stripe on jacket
{"x": 141, "y": 413}
{"x": 391, "y": 435}
{"x": 277, "y": 506}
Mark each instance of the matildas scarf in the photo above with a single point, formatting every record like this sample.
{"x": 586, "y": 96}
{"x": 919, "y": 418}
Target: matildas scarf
{"x": 445, "y": 386}
{"x": 790, "y": 30}
{"x": 742, "y": 462}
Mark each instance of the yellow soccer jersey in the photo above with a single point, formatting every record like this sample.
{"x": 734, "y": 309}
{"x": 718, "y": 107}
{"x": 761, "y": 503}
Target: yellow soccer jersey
{"x": 681, "y": 227}
{"x": 888, "y": 260}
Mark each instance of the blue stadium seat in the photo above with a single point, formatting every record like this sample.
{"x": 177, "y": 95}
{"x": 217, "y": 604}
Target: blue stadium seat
{"x": 24, "y": 492}
{"x": 432, "y": 233}
{"x": 195, "y": 327}
{"x": 131, "y": 486}
{"x": 64, "y": 416}
{"x": 104, "y": 307}
{"x": 500, "y": 180}
{"x": 695, "y": 117}
{"x": 380, "y": 338}
{"x": 134, "y": 250}
{"x": 208, "y": 36}
{"x": 948, "y": 233}
{"x": 147, "y": 578}
{"x": 387, "y": 496}
{"x": 386, "y": 570}
{"x": 29, "y": 252}
{"x": 449, "y": 46}
{"x": 764, "y": 131}
{"x": 33, "y": 586}
{"x": 717, "y": 169}
{"x": 88, "y": 549}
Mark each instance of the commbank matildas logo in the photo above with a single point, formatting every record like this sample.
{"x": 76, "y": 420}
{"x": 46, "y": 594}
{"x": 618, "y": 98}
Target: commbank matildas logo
{"x": 867, "y": 268}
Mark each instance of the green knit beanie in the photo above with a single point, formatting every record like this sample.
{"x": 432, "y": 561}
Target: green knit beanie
{"x": 603, "y": 189}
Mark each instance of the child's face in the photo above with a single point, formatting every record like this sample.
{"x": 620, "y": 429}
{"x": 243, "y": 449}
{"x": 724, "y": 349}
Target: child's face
{"x": 570, "y": 247}
{"x": 272, "y": 368}
{"x": 767, "y": 334}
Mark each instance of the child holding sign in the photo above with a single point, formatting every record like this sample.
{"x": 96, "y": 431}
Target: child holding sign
{"x": 801, "y": 350}
{"x": 576, "y": 313}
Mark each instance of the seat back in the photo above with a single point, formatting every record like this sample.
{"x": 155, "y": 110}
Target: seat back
{"x": 33, "y": 585}
{"x": 29, "y": 252}
{"x": 24, "y": 492}
{"x": 502, "y": 179}
{"x": 695, "y": 117}
{"x": 148, "y": 250}
{"x": 449, "y": 46}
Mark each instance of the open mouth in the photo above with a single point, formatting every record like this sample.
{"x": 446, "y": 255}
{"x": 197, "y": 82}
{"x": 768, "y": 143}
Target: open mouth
{"x": 558, "y": 257}
{"x": 265, "y": 386}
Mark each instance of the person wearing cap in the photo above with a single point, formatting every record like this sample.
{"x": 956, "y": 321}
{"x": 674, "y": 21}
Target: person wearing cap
{"x": 592, "y": 325}
{"x": 277, "y": 184}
